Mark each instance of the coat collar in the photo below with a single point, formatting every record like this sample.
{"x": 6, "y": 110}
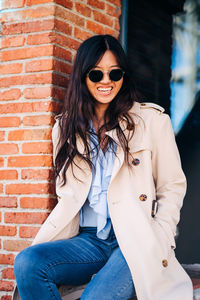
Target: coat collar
{"x": 135, "y": 114}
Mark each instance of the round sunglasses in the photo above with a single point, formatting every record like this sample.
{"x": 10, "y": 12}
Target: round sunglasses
{"x": 97, "y": 75}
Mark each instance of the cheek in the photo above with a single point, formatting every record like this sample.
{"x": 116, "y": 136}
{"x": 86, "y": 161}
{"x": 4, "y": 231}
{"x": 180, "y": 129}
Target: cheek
{"x": 90, "y": 86}
{"x": 119, "y": 85}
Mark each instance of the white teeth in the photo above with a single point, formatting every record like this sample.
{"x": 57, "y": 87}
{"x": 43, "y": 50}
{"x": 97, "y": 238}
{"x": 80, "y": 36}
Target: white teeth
{"x": 104, "y": 89}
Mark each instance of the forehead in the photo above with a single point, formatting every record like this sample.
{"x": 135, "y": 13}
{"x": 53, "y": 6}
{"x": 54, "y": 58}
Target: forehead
{"x": 107, "y": 60}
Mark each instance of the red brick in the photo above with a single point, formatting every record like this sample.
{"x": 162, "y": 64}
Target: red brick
{"x": 110, "y": 31}
{"x": 70, "y": 16}
{"x": 29, "y": 134}
{"x": 25, "y": 218}
{"x": 27, "y": 14}
{"x": 39, "y": 65}
{"x": 60, "y": 80}
{"x": 44, "y": 147}
{"x": 58, "y": 93}
{"x": 14, "y": 41}
{"x": 30, "y": 161}
{"x": 45, "y": 106}
{"x": 67, "y": 42}
{"x": 1, "y": 162}
{"x": 40, "y": 78}
{"x": 37, "y": 121}
{"x": 25, "y": 27}
{"x": 6, "y": 285}
{"x": 8, "y": 202}
{"x": 6, "y": 259}
{"x": 1, "y": 188}
{"x": 65, "y": 3}
{"x": 81, "y": 34}
{"x": 36, "y": 174}
{"x": 6, "y": 297}
{"x": 83, "y": 9}
{"x": 7, "y": 149}
{"x": 24, "y": 53}
{"x": 117, "y": 25}
{"x": 11, "y": 68}
{"x": 33, "y": 2}
{"x": 41, "y": 38}
{"x": 63, "y": 27}
{"x": 95, "y": 27}
{"x": 15, "y": 245}
{"x": 102, "y": 18}
{"x": 9, "y": 122}
{"x": 13, "y": 94}
{"x": 115, "y": 2}
{"x": 196, "y": 283}
{"x": 8, "y": 174}
{"x": 38, "y": 203}
{"x": 38, "y": 92}
{"x": 62, "y": 53}
{"x": 8, "y": 230}
{"x": 28, "y": 232}
{"x": 96, "y": 3}
{"x": 38, "y": 12}
{"x": 2, "y": 135}
{"x": 113, "y": 10}
{"x": 8, "y": 273}
{"x": 62, "y": 67}
{"x": 12, "y": 4}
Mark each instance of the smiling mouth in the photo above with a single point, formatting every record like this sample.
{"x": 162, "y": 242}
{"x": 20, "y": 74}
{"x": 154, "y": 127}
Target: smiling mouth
{"x": 105, "y": 90}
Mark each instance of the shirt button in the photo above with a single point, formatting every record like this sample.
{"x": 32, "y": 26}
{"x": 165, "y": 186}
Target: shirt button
{"x": 165, "y": 263}
{"x": 135, "y": 161}
{"x": 143, "y": 197}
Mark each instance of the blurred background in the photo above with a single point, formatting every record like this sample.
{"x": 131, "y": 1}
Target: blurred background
{"x": 162, "y": 40}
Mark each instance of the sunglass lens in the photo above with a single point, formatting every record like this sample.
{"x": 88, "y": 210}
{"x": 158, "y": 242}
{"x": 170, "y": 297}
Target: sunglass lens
{"x": 116, "y": 74}
{"x": 95, "y": 75}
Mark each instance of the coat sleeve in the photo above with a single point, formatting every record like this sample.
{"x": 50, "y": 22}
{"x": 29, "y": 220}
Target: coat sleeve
{"x": 170, "y": 181}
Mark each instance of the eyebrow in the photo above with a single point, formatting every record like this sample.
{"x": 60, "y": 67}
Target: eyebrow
{"x": 109, "y": 66}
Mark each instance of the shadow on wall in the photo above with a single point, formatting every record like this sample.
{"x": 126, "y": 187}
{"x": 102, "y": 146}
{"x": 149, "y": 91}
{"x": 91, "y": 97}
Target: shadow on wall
{"x": 188, "y": 140}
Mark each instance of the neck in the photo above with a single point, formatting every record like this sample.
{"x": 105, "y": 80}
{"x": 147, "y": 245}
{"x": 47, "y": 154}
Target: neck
{"x": 99, "y": 114}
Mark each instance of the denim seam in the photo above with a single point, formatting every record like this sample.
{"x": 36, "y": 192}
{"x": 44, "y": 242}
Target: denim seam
{"x": 130, "y": 282}
{"x": 51, "y": 290}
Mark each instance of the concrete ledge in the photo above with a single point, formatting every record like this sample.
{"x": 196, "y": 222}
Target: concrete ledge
{"x": 74, "y": 293}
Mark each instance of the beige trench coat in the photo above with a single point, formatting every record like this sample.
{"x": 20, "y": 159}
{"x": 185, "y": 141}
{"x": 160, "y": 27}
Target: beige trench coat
{"x": 146, "y": 242}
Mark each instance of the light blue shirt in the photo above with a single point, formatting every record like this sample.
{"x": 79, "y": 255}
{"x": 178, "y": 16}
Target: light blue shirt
{"x": 95, "y": 211}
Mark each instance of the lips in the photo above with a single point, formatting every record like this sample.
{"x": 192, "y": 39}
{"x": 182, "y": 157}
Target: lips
{"x": 104, "y": 91}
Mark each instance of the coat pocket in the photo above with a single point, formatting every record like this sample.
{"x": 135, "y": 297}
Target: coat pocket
{"x": 162, "y": 239}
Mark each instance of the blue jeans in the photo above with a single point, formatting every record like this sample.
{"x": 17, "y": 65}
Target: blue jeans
{"x": 40, "y": 269}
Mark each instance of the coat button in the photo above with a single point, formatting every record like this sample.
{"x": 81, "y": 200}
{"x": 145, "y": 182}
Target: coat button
{"x": 135, "y": 161}
{"x": 130, "y": 127}
{"x": 143, "y": 197}
{"x": 165, "y": 263}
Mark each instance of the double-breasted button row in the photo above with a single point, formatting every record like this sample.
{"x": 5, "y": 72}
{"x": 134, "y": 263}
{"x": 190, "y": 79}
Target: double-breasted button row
{"x": 143, "y": 197}
{"x": 135, "y": 161}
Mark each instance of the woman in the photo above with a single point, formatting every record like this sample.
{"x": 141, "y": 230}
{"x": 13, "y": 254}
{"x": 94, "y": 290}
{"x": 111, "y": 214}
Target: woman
{"x": 120, "y": 188}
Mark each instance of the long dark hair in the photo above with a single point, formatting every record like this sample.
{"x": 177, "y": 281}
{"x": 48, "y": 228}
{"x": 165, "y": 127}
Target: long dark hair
{"x": 79, "y": 105}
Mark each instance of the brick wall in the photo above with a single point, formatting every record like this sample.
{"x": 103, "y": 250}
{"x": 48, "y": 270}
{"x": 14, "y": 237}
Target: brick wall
{"x": 38, "y": 45}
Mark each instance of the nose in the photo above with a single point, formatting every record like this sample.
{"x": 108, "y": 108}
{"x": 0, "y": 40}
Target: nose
{"x": 106, "y": 77}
